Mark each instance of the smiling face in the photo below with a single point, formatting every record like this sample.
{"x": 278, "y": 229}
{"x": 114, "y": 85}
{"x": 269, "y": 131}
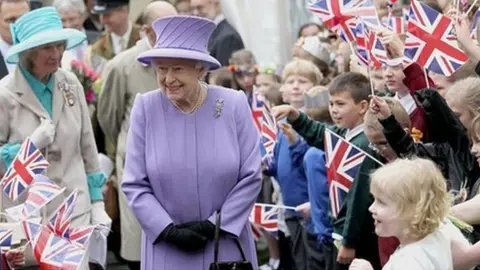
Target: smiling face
{"x": 386, "y": 217}
{"x": 345, "y": 112}
{"x": 178, "y": 78}
{"x": 45, "y": 60}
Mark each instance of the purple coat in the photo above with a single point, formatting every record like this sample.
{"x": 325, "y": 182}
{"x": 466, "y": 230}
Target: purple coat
{"x": 181, "y": 168}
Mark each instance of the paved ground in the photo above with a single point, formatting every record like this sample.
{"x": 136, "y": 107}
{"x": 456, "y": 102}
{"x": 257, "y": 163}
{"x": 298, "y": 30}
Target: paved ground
{"x": 113, "y": 264}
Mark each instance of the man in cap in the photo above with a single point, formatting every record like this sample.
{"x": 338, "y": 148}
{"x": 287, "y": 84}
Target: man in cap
{"x": 225, "y": 39}
{"x": 119, "y": 35}
{"x": 124, "y": 77}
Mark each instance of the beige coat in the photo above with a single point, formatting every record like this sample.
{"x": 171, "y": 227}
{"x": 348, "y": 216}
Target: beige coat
{"x": 125, "y": 77}
{"x": 73, "y": 153}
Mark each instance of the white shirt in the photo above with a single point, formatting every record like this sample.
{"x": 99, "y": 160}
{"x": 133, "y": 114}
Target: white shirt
{"x": 352, "y": 133}
{"x": 4, "y": 46}
{"x": 431, "y": 253}
{"x": 118, "y": 40}
{"x": 407, "y": 102}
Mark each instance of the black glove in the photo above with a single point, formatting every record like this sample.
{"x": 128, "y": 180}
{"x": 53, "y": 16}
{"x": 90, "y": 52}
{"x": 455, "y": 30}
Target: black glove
{"x": 183, "y": 238}
{"x": 205, "y": 228}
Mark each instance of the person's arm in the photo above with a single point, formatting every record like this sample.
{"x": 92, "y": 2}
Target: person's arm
{"x": 239, "y": 202}
{"x": 312, "y": 131}
{"x": 136, "y": 184}
{"x": 7, "y": 151}
{"x": 95, "y": 177}
{"x": 297, "y": 152}
{"x": 316, "y": 173}
{"x": 111, "y": 102}
{"x": 468, "y": 211}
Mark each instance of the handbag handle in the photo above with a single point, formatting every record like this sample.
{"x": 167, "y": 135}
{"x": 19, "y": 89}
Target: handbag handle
{"x": 217, "y": 240}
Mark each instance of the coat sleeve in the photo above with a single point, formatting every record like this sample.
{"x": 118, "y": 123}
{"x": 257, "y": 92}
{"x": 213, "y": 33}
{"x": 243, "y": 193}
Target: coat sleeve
{"x": 239, "y": 202}
{"x": 136, "y": 184}
{"x": 415, "y": 78}
{"x": 111, "y": 104}
{"x": 313, "y": 131}
{"x": 89, "y": 150}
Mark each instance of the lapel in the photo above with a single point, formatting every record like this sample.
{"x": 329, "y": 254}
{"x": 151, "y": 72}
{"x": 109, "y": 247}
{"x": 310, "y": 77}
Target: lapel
{"x": 23, "y": 93}
{"x": 57, "y": 97}
{"x": 104, "y": 47}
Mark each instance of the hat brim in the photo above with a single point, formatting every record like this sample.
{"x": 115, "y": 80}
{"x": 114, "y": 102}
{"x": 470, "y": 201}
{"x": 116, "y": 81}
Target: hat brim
{"x": 72, "y": 36}
{"x": 207, "y": 60}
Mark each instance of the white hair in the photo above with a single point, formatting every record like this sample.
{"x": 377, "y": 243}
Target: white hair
{"x": 68, "y": 5}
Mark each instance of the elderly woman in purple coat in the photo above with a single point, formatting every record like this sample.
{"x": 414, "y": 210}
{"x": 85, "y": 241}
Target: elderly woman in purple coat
{"x": 192, "y": 149}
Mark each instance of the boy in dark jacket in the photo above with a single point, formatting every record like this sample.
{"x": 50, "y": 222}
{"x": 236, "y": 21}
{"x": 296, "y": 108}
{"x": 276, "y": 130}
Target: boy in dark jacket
{"x": 353, "y": 226}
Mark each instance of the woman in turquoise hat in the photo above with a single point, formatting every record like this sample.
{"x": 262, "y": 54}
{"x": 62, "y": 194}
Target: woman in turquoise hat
{"x": 41, "y": 101}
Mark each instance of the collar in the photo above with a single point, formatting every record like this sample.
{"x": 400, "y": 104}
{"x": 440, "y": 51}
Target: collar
{"x": 126, "y": 36}
{"x": 407, "y": 102}
{"x": 220, "y": 17}
{"x": 352, "y": 133}
{"x": 36, "y": 85}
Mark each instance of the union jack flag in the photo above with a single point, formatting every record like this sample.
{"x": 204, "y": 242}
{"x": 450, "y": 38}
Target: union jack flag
{"x": 367, "y": 13}
{"x": 370, "y": 49}
{"x": 49, "y": 250}
{"x": 5, "y": 239}
{"x": 269, "y": 131}
{"x": 343, "y": 161}
{"x": 431, "y": 41}
{"x": 336, "y": 15}
{"x": 80, "y": 236}
{"x": 60, "y": 222}
{"x": 475, "y": 21}
{"x": 257, "y": 233}
{"x": 73, "y": 258}
{"x": 396, "y": 24}
{"x": 257, "y": 111}
{"x": 28, "y": 163}
{"x": 43, "y": 191}
{"x": 265, "y": 217}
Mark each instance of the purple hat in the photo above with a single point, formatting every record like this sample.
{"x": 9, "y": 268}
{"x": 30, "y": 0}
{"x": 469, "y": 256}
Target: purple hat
{"x": 184, "y": 37}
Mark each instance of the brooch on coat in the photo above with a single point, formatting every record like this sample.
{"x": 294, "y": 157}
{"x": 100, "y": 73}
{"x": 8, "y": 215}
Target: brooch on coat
{"x": 67, "y": 91}
{"x": 218, "y": 107}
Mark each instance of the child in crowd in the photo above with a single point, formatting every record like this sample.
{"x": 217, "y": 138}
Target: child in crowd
{"x": 298, "y": 76}
{"x": 221, "y": 77}
{"x": 244, "y": 70}
{"x": 411, "y": 204}
{"x": 353, "y": 226}
{"x": 317, "y": 52}
{"x": 267, "y": 76}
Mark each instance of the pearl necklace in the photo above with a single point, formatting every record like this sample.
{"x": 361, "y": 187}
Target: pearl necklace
{"x": 201, "y": 97}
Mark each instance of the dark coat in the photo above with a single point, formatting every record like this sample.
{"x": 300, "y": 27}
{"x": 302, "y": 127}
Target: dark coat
{"x": 224, "y": 41}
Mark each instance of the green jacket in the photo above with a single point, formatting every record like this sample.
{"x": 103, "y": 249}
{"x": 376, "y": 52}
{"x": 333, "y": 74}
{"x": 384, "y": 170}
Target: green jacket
{"x": 354, "y": 222}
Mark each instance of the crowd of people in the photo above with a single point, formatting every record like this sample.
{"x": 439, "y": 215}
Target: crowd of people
{"x": 155, "y": 124}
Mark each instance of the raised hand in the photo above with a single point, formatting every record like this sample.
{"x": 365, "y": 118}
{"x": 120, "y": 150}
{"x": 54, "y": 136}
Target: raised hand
{"x": 287, "y": 111}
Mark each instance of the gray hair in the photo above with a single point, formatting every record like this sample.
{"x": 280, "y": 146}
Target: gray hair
{"x": 68, "y": 5}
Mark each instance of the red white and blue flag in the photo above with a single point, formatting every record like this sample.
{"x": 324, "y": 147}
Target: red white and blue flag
{"x": 80, "y": 236}
{"x": 73, "y": 258}
{"x": 370, "y": 50}
{"x": 265, "y": 217}
{"x": 343, "y": 161}
{"x": 431, "y": 41}
{"x": 257, "y": 111}
{"x": 60, "y": 222}
{"x": 28, "y": 163}
{"x": 49, "y": 249}
{"x": 337, "y": 16}
{"x": 397, "y": 24}
{"x": 42, "y": 191}
{"x": 5, "y": 239}
{"x": 269, "y": 132}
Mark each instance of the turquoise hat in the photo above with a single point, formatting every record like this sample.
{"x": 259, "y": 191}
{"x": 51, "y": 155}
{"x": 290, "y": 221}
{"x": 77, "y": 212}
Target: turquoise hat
{"x": 39, "y": 27}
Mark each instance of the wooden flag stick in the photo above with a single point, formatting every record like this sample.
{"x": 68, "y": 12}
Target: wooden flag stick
{"x": 426, "y": 77}
{"x": 471, "y": 7}
{"x": 276, "y": 206}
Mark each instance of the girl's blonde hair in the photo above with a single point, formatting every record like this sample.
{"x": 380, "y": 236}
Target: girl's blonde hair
{"x": 467, "y": 92}
{"x": 303, "y": 68}
{"x": 419, "y": 190}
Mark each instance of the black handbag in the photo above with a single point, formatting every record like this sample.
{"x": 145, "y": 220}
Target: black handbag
{"x": 229, "y": 265}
